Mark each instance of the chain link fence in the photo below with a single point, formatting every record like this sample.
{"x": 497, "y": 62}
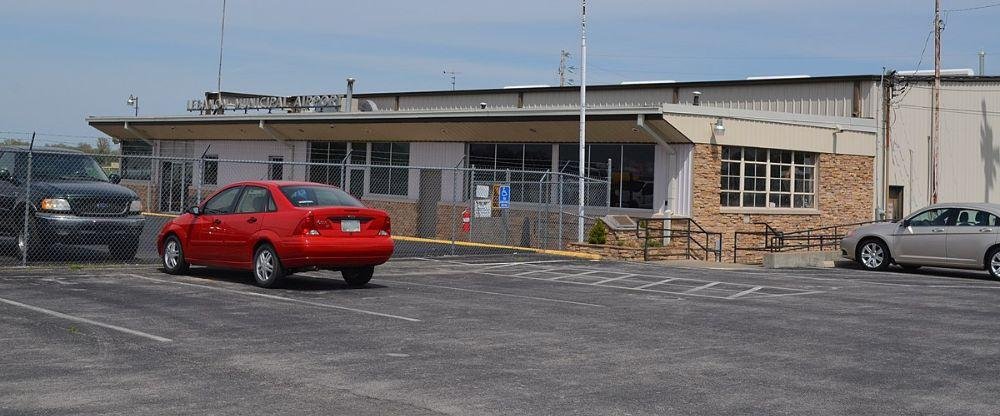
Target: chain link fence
{"x": 63, "y": 206}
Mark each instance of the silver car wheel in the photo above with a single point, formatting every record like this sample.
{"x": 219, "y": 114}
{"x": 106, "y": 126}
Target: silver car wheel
{"x": 264, "y": 269}
{"x": 872, "y": 255}
{"x": 995, "y": 264}
{"x": 171, "y": 255}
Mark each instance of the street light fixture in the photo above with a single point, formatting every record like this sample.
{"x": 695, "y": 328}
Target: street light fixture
{"x": 133, "y": 101}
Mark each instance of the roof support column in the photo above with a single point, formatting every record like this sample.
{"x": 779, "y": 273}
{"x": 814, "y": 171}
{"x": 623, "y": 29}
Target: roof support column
{"x": 671, "y": 160}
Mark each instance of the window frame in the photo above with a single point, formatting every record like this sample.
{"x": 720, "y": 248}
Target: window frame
{"x": 391, "y": 167}
{"x": 276, "y": 164}
{"x": 125, "y": 160}
{"x": 771, "y": 168}
{"x": 212, "y": 160}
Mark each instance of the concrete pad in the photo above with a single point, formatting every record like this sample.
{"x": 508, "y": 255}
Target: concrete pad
{"x": 800, "y": 259}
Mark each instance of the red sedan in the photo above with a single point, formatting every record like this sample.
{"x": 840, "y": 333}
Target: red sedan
{"x": 275, "y": 228}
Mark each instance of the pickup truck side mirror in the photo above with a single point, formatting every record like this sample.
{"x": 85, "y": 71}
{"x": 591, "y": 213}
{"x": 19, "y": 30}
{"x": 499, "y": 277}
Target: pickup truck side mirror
{"x": 5, "y": 175}
{"x": 194, "y": 211}
{"x": 115, "y": 178}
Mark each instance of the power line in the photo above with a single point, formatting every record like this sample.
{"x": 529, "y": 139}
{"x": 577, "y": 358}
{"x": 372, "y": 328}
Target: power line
{"x": 985, "y": 6}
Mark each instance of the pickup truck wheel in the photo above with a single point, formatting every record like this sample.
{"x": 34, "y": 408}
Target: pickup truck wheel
{"x": 29, "y": 245}
{"x": 267, "y": 269}
{"x": 358, "y": 277}
{"x": 173, "y": 256}
{"x": 124, "y": 250}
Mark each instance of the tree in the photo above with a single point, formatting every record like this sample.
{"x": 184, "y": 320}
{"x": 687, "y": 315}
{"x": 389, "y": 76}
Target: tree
{"x": 13, "y": 142}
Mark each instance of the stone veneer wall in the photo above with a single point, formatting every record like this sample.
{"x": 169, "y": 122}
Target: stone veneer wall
{"x": 845, "y": 189}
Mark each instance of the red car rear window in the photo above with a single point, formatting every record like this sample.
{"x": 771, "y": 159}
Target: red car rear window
{"x": 318, "y": 196}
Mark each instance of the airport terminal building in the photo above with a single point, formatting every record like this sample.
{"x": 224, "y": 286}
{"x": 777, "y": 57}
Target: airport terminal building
{"x": 792, "y": 152}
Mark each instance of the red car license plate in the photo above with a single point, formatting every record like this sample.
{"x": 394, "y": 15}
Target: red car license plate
{"x": 350, "y": 226}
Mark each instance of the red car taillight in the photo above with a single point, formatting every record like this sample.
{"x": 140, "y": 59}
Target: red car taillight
{"x": 310, "y": 226}
{"x": 386, "y": 227}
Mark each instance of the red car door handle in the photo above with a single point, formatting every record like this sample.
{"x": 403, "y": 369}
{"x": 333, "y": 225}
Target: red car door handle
{"x": 217, "y": 222}
{"x": 252, "y": 220}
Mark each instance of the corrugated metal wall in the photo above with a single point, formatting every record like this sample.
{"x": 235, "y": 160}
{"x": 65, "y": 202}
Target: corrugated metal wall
{"x": 969, "y": 157}
{"x": 835, "y": 98}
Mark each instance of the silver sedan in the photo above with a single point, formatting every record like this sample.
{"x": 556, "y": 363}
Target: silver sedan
{"x": 962, "y": 236}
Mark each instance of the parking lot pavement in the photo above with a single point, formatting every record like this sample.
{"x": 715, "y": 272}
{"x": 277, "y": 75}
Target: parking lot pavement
{"x": 513, "y": 334}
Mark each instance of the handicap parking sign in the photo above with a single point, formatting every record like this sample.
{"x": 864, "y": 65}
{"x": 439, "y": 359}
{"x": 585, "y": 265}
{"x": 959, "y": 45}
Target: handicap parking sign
{"x": 504, "y": 199}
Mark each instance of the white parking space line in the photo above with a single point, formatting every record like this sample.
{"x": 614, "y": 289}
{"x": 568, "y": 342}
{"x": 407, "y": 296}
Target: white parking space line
{"x": 702, "y": 287}
{"x": 86, "y": 321}
{"x": 612, "y": 279}
{"x": 745, "y": 292}
{"x": 279, "y": 298}
{"x": 501, "y": 294}
{"x": 658, "y": 283}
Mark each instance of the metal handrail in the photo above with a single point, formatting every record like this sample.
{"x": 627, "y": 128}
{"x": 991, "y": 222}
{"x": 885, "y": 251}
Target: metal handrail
{"x": 688, "y": 233}
{"x": 779, "y": 241}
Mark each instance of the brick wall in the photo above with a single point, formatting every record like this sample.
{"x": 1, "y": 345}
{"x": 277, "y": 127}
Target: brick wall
{"x": 845, "y": 187}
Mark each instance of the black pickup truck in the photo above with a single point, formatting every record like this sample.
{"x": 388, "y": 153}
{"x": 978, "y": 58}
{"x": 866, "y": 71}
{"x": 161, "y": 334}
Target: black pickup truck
{"x": 72, "y": 201}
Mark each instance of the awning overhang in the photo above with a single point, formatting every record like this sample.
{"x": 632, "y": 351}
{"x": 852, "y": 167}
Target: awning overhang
{"x": 524, "y": 126}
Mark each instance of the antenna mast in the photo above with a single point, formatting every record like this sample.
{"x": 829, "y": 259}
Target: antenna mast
{"x": 454, "y": 76}
{"x": 222, "y": 38}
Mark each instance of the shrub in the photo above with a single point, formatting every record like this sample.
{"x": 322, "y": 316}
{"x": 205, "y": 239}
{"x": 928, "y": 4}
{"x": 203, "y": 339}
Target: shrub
{"x": 598, "y": 234}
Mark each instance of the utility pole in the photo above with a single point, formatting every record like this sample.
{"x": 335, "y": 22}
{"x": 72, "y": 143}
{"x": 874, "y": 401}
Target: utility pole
{"x": 982, "y": 62}
{"x": 583, "y": 119}
{"x": 936, "y": 108}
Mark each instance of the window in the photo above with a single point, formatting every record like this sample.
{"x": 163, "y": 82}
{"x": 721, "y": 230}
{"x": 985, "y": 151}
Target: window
{"x": 390, "y": 181}
{"x": 210, "y": 175}
{"x": 318, "y": 196}
{"x": 255, "y": 199}
{"x": 938, "y": 217}
{"x": 516, "y": 157}
{"x": 134, "y": 167}
{"x": 276, "y": 170}
{"x": 329, "y": 155}
{"x": 767, "y": 178}
{"x": 222, "y": 203}
{"x": 631, "y": 173}
{"x": 974, "y": 218}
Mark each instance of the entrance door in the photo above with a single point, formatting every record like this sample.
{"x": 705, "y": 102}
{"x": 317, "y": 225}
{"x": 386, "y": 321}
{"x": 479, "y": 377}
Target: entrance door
{"x": 356, "y": 182}
{"x": 427, "y": 203}
{"x": 894, "y": 205}
{"x": 175, "y": 182}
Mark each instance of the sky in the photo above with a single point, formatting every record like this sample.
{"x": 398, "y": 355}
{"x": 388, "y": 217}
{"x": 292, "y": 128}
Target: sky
{"x": 61, "y": 61}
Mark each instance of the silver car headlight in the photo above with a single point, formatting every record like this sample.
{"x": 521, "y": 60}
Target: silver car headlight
{"x": 55, "y": 204}
{"x": 135, "y": 206}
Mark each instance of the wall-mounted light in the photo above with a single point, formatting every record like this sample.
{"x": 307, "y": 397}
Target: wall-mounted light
{"x": 719, "y": 129}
